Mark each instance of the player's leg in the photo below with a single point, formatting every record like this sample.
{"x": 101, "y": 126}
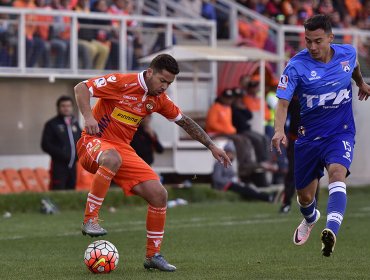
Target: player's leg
{"x": 337, "y": 202}
{"x": 156, "y": 196}
{"x": 338, "y": 158}
{"x": 307, "y": 205}
{"x": 109, "y": 162}
{"x": 308, "y": 168}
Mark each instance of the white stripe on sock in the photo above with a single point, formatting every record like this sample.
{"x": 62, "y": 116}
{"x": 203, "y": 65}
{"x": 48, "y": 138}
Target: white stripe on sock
{"x": 155, "y": 236}
{"x": 337, "y": 187}
{"x": 335, "y": 217}
{"x": 94, "y": 201}
{"x": 155, "y": 232}
{"x": 95, "y": 197}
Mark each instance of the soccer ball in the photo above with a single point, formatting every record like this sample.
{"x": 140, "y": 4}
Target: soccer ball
{"x": 101, "y": 257}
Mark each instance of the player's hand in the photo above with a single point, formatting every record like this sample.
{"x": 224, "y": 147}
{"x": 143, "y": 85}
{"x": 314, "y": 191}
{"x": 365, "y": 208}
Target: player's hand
{"x": 277, "y": 139}
{"x": 364, "y": 91}
{"x": 91, "y": 126}
{"x": 220, "y": 155}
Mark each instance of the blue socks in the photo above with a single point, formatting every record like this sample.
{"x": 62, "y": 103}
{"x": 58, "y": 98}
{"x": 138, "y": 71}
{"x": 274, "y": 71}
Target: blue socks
{"x": 336, "y": 205}
{"x": 309, "y": 211}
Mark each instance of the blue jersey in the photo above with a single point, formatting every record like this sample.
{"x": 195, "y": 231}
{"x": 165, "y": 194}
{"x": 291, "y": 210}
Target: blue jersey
{"x": 324, "y": 91}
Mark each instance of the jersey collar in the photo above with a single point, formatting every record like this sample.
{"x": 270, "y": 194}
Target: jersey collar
{"x": 142, "y": 81}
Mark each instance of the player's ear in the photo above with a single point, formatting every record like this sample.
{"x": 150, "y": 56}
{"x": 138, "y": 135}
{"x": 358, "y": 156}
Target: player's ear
{"x": 149, "y": 72}
{"x": 331, "y": 37}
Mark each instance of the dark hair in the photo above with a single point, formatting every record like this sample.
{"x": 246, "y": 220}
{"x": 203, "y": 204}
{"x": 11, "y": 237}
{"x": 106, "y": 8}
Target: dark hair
{"x": 63, "y": 98}
{"x": 318, "y": 22}
{"x": 165, "y": 62}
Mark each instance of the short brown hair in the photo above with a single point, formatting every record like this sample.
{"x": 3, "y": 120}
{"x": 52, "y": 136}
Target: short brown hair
{"x": 165, "y": 62}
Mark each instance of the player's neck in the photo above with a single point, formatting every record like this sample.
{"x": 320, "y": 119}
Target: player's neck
{"x": 328, "y": 56}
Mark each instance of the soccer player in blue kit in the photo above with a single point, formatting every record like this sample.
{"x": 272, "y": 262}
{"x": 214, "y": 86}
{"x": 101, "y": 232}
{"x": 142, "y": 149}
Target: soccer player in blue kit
{"x": 320, "y": 76}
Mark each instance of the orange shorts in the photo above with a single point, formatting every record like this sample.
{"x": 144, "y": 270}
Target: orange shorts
{"x": 133, "y": 170}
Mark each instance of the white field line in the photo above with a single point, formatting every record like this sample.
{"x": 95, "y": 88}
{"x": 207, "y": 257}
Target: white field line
{"x": 179, "y": 224}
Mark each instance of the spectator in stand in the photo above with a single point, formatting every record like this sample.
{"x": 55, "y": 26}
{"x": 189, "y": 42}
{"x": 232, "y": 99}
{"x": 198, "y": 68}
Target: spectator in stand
{"x": 8, "y": 38}
{"x": 36, "y": 49}
{"x": 91, "y": 38}
{"x": 326, "y": 7}
{"x": 59, "y": 139}
{"x": 225, "y": 179}
{"x": 241, "y": 117}
{"x": 134, "y": 38}
{"x": 273, "y": 8}
{"x": 251, "y": 99}
{"x": 219, "y": 123}
{"x": 48, "y": 30}
{"x": 210, "y": 12}
{"x": 145, "y": 141}
{"x": 354, "y": 8}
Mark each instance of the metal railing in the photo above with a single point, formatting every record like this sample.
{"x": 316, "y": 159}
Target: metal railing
{"x": 285, "y": 40}
{"x": 14, "y": 24}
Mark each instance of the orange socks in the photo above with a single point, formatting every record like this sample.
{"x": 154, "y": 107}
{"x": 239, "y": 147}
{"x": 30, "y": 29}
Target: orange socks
{"x": 155, "y": 220}
{"x": 99, "y": 188}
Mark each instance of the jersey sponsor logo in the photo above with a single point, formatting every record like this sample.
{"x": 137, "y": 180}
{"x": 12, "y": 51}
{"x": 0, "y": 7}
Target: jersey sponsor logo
{"x": 338, "y": 98}
{"x": 314, "y": 76}
{"x": 345, "y": 66}
{"x": 112, "y": 79}
{"x": 283, "y": 83}
{"x": 129, "y": 97}
{"x": 101, "y": 82}
{"x": 126, "y": 117}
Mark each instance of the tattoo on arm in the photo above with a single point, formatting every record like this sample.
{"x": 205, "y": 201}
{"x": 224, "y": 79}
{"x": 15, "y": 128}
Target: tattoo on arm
{"x": 194, "y": 130}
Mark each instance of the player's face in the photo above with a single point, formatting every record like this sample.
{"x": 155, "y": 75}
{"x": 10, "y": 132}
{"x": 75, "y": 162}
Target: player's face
{"x": 159, "y": 81}
{"x": 65, "y": 108}
{"x": 318, "y": 44}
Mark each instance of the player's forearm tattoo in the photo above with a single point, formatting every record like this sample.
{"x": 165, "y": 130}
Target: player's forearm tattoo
{"x": 194, "y": 130}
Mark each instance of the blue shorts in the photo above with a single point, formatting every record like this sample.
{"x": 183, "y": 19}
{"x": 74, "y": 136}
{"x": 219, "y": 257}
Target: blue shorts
{"x": 312, "y": 157}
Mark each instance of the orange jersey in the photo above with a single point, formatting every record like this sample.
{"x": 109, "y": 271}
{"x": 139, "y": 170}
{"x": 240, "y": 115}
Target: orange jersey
{"x": 123, "y": 103}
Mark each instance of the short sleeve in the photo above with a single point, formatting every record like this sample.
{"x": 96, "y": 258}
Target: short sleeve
{"x": 106, "y": 87}
{"x": 168, "y": 109}
{"x": 287, "y": 83}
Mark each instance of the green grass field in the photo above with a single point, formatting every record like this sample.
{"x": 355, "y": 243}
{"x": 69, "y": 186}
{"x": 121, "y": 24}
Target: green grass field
{"x": 219, "y": 240}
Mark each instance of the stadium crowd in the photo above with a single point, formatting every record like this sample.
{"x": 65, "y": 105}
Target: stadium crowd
{"x": 48, "y": 38}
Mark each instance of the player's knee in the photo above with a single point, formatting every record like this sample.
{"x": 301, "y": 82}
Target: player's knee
{"x": 305, "y": 199}
{"x": 160, "y": 198}
{"x": 110, "y": 159}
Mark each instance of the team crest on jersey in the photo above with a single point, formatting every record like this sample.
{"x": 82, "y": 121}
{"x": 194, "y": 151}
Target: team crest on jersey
{"x": 112, "y": 79}
{"x": 149, "y": 106}
{"x": 283, "y": 83}
{"x": 101, "y": 82}
{"x": 345, "y": 66}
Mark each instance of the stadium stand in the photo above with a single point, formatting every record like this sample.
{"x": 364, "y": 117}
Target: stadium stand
{"x": 30, "y": 180}
{"x": 43, "y": 177}
{"x": 4, "y": 186}
{"x": 14, "y": 180}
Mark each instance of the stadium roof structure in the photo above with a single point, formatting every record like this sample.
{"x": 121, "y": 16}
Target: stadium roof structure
{"x": 198, "y": 54}
{"x": 208, "y": 53}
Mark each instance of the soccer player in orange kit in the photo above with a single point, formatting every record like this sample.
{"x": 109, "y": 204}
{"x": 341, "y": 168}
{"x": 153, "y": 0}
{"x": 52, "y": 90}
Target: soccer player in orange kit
{"x": 104, "y": 148}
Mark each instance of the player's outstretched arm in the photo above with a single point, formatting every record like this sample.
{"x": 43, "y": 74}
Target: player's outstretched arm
{"x": 364, "y": 88}
{"x": 82, "y": 95}
{"x": 197, "y": 133}
{"x": 280, "y": 118}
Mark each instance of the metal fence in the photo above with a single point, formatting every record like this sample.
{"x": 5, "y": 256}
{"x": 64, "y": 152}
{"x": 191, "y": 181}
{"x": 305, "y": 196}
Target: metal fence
{"x": 47, "y": 43}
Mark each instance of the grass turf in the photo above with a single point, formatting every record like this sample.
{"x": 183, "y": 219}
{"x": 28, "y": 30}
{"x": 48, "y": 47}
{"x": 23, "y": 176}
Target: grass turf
{"x": 219, "y": 240}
